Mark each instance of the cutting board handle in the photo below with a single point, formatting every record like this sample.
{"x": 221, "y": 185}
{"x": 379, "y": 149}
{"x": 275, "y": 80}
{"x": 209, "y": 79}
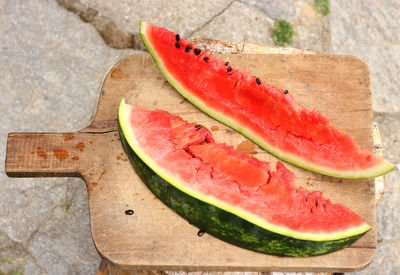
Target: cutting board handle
{"x": 43, "y": 154}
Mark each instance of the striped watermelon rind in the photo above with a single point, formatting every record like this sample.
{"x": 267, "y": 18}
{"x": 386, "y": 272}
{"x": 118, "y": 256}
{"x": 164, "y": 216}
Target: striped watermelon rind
{"x": 222, "y": 220}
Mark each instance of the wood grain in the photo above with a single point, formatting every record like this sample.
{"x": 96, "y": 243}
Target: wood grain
{"x": 107, "y": 268}
{"x": 154, "y": 237}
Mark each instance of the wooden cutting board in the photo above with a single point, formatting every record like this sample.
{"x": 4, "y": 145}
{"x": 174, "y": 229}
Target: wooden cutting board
{"x": 154, "y": 237}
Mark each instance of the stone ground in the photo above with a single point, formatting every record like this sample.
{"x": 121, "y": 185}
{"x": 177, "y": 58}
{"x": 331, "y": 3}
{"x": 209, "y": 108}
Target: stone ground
{"x": 54, "y": 55}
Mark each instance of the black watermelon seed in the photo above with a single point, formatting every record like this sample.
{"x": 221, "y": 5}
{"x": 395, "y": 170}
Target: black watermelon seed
{"x": 229, "y": 69}
{"x": 177, "y": 37}
{"x": 198, "y": 127}
{"x": 226, "y": 63}
{"x": 129, "y": 212}
{"x": 177, "y": 45}
{"x": 258, "y": 81}
{"x": 200, "y": 233}
{"x": 205, "y": 58}
{"x": 286, "y": 92}
{"x": 188, "y": 48}
{"x": 197, "y": 51}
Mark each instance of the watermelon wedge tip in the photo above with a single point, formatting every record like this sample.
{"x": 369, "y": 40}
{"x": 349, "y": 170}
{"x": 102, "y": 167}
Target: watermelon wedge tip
{"x": 256, "y": 110}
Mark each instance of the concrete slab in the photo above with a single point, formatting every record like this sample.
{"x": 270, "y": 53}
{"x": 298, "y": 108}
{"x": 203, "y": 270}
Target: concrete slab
{"x": 368, "y": 30}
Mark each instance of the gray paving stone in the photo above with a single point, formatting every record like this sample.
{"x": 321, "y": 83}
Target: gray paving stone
{"x": 58, "y": 231}
{"x": 285, "y": 9}
{"x": 388, "y": 211}
{"x": 181, "y": 16}
{"x": 51, "y": 66}
{"x": 386, "y": 259}
{"x": 311, "y": 28}
{"x": 366, "y": 29}
{"x": 12, "y": 254}
{"x": 369, "y": 30}
{"x": 240, "y": 23}
{"x": 253, "y": 22}
{"x": 244, "y": 21}
{"x": 389, "y": 127}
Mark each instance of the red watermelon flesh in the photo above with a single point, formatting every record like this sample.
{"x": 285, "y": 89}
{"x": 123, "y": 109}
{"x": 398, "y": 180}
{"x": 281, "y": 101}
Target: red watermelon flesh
{"x": 265, "y": 114}
{"x": 186, "y": 155}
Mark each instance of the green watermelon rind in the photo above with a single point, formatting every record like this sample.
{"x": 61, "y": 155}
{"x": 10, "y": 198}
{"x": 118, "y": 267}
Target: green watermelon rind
{"x": 226, "y": 226}
{"x": 222, "y": 220}
{"x": 375, "y": 171}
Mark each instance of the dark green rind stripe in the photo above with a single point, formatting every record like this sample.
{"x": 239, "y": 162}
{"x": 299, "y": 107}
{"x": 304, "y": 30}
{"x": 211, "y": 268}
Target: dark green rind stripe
{"x": 227, "y": 226}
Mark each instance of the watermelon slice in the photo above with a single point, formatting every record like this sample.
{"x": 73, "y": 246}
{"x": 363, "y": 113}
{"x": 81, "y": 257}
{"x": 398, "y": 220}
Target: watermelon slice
{"x": 268, "y": 116}
{"x": 234, "y": 197}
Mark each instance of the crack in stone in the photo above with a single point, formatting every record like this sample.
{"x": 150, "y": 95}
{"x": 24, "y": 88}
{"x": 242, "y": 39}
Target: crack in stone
{"x": 33, "y": 233}
{"x": 70, "y": 194}
{"x": 191, "y": 33}
{"x": 105, "y": 26}
{"x": 112, "y": 35}
{"x": 40, "y": 225}
{"x": 41, "y": 268}
{"x": 388, "y": 240}
{"x": 257, "y": 8}
{"x": 24, "y": 253}
{"x": 11, "y": 253}
{"x": 387, "y": 114}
